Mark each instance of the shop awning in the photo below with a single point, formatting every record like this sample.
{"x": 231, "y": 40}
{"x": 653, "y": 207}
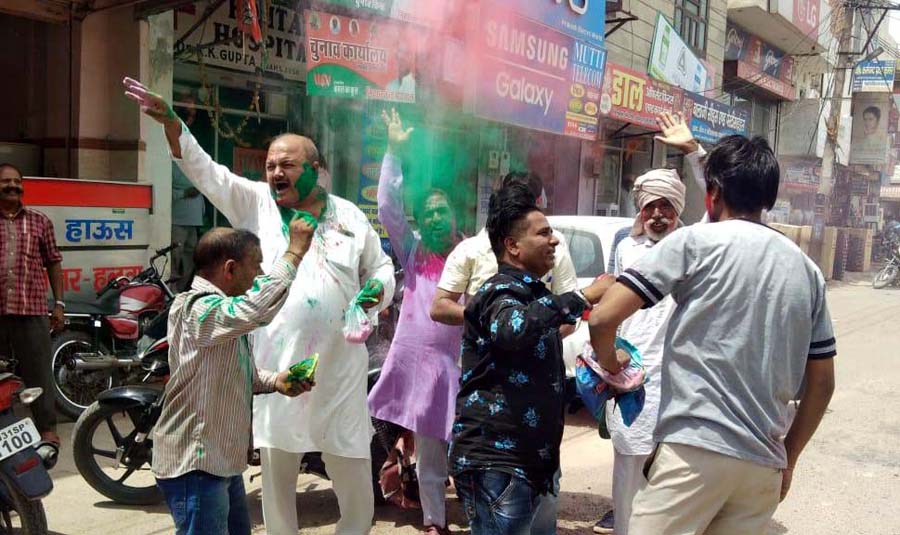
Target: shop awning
{"x": 890, "y": 193}
{"x": 60, "y": 11}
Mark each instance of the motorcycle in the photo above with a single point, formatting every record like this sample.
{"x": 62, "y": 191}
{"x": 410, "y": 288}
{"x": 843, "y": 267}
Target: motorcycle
{"x": 24, "y": 459}
{"x": 113, "y": 448}
{"x": 889, "y": 275}
{"x": 112, "y": 443}
{"x": 100, "y": 346}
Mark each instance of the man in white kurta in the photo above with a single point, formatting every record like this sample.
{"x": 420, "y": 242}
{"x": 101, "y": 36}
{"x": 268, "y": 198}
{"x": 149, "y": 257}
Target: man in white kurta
{"x": 345, "y": 253}
{"x": 660, "y": 199}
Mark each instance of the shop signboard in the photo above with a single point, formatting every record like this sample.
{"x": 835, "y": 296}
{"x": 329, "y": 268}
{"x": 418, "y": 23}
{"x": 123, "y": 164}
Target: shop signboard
{"x": 876, "y": 76}
{"x": 374, "y": 141}
{"x": 711, "y": 120}
{"x": 806, "y": 17}
{"x": 672, "y": 61}
{"x": 283, "y": 36}
{"x": 531, "y": 75}
{"x": 760, "y": 63}
{"x": 582, "y": 19}
{"x": 359, "y": 58}
{"x": 799, "y": 173}
{"x": 102, "y": 228}
{"x": 424, "y": 12}
{"x": 630, "y": 96}
{"x": 869, "y": 134}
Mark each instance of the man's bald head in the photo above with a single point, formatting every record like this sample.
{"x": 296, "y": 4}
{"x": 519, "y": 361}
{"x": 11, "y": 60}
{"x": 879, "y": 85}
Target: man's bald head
{"x": 295, "y": 142}
{"x": 221, "y": 244}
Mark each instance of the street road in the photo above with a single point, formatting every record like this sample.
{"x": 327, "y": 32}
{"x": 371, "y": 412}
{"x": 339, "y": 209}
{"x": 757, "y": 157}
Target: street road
{"x": 848, "y": 481}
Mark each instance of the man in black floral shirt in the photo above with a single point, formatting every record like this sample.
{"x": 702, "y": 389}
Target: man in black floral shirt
{"x": 509, "y": 420}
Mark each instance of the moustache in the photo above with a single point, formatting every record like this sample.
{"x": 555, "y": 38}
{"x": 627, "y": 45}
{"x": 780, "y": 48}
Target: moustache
{"x": 12, "y": 190}
{"x": 660, "y": 220}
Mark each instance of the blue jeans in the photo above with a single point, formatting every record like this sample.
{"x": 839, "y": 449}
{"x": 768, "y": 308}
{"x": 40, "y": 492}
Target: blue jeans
{"x": 497, "y": 503}
{"x": 204, "y": 504}
{"x": 545, "y": 515}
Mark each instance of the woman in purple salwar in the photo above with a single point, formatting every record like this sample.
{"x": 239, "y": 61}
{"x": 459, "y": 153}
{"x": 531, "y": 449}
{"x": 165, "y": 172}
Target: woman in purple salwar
{"x": 420, "y": 378}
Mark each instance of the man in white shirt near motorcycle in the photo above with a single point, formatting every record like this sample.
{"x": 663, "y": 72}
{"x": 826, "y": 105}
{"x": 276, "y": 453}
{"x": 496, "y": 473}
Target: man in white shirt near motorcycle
{"x": 346, "y": 253}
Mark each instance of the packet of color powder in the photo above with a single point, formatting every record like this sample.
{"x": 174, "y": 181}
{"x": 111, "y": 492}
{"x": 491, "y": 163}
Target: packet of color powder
{"x": 305, "y": 370}
{"x": 357, "y": 325}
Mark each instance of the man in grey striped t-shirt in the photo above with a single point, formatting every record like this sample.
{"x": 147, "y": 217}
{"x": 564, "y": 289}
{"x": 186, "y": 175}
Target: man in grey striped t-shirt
{"x": 751, "y": 322}
{"x": 203, "y": 433}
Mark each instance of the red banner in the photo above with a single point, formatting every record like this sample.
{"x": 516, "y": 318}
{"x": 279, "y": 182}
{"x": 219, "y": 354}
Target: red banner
{"x": 632, "y": 97}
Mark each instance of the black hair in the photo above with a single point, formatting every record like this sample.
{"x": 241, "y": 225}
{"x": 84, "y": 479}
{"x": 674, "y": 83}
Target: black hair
{"x": 874, "y": 110}
{"x": 6, "y": 165}
{"x": 530, "y": 180}
{"x": 507, "y": 211}
{"x": 746, "y": 173}
{"x": 220, "y": 245}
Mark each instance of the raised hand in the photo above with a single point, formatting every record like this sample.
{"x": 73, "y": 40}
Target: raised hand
{"x": 152, "y": 104}
{"x": 676, "y": 133}
{"x": 397, "y": 135}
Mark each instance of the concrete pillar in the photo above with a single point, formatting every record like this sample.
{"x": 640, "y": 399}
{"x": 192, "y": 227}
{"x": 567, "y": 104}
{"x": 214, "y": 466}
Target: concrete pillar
{"x": 157, "y": 36}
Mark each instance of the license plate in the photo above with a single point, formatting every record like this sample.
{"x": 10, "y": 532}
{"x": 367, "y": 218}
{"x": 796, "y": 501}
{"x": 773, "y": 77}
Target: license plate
{"x": 18, "y": 436}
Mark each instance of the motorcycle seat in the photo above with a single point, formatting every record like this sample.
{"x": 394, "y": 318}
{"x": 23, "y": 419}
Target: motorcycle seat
{"x": 105, "y": 307}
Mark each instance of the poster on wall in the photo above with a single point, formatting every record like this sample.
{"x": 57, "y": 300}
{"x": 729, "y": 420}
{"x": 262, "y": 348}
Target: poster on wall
{"x": 630, "y": 96}
{"x": 710, "y": 120}
{"x": 583, "y": 19}
{"x": 673, "y": 62}
{"x": 359, "y": 58}
{"x": 869, "y": 134}
{"x": 800, "y": 173}
{"x": 876, "y": 76}
{"x": 283, "y": 35}
{"x": 531, "y": 75}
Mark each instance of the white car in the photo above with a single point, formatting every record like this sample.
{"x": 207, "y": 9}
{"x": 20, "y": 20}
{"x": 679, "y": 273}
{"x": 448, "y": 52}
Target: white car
{"x": 590, "y": 240}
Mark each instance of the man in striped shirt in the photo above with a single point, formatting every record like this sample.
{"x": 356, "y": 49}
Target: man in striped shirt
{"x": 204, "y": 430}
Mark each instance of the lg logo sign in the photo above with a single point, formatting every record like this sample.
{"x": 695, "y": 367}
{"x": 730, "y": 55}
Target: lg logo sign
{"x": 578, "y": 6}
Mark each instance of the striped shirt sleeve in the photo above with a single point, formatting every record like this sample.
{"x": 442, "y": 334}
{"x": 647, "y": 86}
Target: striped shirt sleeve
{"x": 216, "y": 318}
{"x": 822, "y": 345}
{"x": 657, "y": 274}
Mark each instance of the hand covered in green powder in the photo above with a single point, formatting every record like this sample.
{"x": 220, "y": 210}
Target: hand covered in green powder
{"x": 286, "y": 387}
{"x": 371, "y": 294}
{"x": 151, "y": 104}
{"x": 301, "y": 229}
{"x": 397, "y": 135}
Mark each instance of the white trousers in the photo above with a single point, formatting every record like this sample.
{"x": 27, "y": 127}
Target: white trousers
{"x": 351, "y": 480}
{"x": 431, "y": 468}
{"x": 627, "y": 479}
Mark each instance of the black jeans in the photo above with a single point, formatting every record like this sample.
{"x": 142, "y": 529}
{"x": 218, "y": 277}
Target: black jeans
{"x": 27, "y": 338}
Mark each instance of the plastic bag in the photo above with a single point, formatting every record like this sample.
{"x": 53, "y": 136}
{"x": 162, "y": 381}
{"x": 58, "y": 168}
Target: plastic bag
{"x": 357, "y": 325}
{"x": 595, "y": 385}
{"x": 305, "y": 370}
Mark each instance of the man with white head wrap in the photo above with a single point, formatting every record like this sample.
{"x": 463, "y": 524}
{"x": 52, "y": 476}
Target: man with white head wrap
{"x": 660, "y": 198}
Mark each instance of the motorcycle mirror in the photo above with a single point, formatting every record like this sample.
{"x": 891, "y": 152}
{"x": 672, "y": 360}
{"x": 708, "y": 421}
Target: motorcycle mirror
{"x": 29, "y": 395}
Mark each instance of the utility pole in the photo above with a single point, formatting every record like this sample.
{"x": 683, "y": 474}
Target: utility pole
{"x": 844, "y": 62}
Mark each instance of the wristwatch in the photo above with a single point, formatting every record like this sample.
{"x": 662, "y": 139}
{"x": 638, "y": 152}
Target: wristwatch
{"x": 587, "y": 304}
{"x": 61, "y": 304}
